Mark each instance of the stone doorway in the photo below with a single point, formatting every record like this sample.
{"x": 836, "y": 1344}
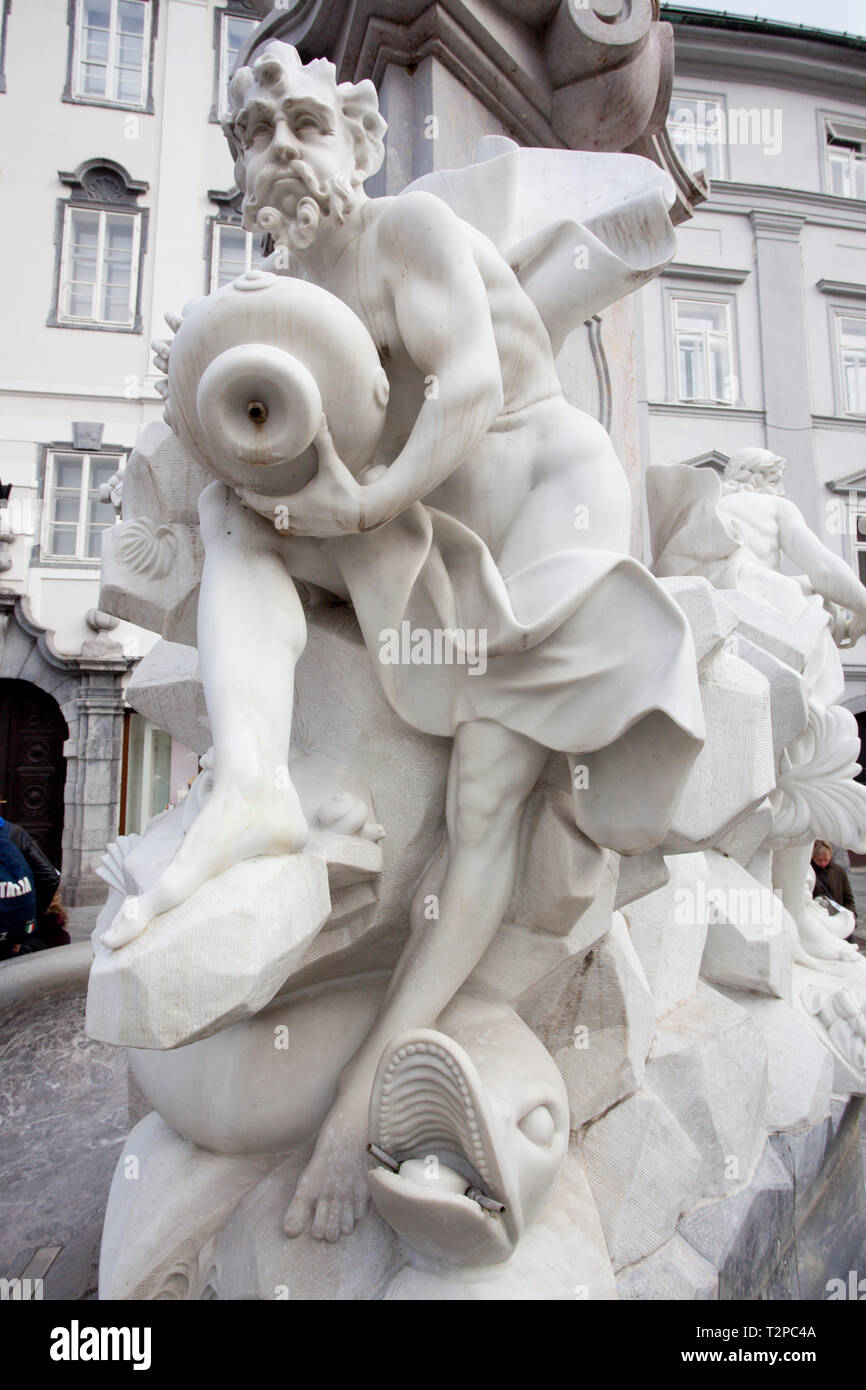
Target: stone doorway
{"x": 32, "y": 765}
{"x": 87, "y": 690}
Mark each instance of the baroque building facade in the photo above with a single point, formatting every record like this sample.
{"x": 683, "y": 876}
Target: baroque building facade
{"x": 756, "y": 333}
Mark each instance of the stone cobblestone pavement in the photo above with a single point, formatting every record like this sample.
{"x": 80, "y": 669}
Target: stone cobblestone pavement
{"x": 63, "y": 1119}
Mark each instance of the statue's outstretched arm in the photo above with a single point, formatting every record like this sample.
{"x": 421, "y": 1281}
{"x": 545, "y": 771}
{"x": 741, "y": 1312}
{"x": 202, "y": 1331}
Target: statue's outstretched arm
{"x": 443, "y": 315}
{"x": 829, "y": 575}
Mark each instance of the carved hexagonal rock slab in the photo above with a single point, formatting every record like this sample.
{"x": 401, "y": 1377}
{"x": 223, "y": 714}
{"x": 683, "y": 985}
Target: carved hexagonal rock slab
{"x": 643, "y": 1170}
{"x": 217, "y": 958}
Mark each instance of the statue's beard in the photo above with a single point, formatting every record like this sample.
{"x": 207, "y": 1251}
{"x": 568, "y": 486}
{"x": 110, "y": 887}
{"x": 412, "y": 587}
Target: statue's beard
{"x": 295, "y": 222}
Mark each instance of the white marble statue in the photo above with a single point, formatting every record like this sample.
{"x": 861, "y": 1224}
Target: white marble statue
{"x": 489, "y": 903}
{"x": 739, "y": 534}
{"x": 439, "y": 490}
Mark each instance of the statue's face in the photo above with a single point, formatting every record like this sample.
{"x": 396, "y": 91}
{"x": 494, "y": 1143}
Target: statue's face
{"x": 756, "y": 470}
{"x": 774, "y": 480}
{"x": 295, "y": 146}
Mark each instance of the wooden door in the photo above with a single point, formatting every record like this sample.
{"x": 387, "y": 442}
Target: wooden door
{"x": 32, "y": 765}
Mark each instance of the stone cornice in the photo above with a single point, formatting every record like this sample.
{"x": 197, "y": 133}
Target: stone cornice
{"x": 712, "y": 458}
{"x": 840, "y": 422}
{"x": 797, "y": 60}
{"x": 680, "y": 270}
{"x": 715, "y": 412}
{"x": 852, "y": 482}
{"x": 824, "y": 209}
{"x": 777, "y": 226}
{"x": 104, "y": 181}
{"x": 844, "y": 289}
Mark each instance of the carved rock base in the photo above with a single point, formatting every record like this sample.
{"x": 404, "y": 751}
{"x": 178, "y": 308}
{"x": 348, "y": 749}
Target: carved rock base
{"x": 219, "y": 957}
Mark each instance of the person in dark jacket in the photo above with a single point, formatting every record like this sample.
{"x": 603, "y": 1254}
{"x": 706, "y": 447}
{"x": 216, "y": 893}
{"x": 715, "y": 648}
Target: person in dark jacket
{"x": 17, "y": 903}
{"x": 831, "y": 880}
{"x": 46, "y": 879}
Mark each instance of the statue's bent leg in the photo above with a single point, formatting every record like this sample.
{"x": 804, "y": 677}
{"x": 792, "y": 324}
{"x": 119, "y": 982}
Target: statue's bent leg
{"x": 251, "y": 632}
{"x": 492, "y": 772}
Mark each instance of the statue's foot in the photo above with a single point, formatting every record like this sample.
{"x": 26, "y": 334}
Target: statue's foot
{"x": 332, "y": 1194}
{"x": 840, "y": 923}
{"x": 228, "y": 829}
{"x": 822, "y": 944}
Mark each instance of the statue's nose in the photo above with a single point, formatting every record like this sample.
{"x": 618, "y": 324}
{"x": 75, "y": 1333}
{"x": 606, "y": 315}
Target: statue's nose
{"x": 284, "y": 145}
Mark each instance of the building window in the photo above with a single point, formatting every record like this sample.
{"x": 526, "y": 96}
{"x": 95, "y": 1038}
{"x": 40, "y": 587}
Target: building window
{"x": 846, "y": 158}
{"x": 704, "y": 351}
{"x": 74, "y": 517}
{"x": 101, "y": 237}
{"x": 157, "y": 771}
{"x": 233, "y": 30}
{"x": 148, "y": 783}
{"x": 230, "y": 250}
{"x": 234, "y": 251}
{"x": 851, "y": 335}
{"x": 111, "y": 47}
{"x": 99, "y": 267}
{"x": 696, "y": 126}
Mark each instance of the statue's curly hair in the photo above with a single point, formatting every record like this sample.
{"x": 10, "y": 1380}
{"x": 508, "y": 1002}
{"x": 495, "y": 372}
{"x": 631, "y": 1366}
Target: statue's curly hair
{"x": 747, "y": 467}
{"x": 271, "y": 71}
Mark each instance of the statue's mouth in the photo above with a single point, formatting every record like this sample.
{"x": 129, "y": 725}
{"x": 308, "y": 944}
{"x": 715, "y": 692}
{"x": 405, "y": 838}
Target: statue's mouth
{"x": 439, "y": 1181}
{"x": 296, "y": 180}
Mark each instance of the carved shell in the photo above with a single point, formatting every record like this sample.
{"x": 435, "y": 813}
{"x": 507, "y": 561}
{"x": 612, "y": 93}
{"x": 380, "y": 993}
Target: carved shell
{"x": 147, "y": 549}
{"x": 113, "y": 866}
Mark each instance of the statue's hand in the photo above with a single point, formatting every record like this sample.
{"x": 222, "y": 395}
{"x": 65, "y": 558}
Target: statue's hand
{"x": 856, "y": 629}
{"x": 329, "y": 505}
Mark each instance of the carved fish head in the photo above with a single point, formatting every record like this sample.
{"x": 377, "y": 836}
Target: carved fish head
{"x": 473, "y": 1128}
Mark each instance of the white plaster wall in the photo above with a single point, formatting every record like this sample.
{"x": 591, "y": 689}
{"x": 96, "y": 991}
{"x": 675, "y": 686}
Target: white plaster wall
{"x": 674, "y": 439}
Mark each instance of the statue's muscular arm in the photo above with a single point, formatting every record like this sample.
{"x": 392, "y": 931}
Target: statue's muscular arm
{"x": 829, "y": 575}
{"x": 439, "y": 305}
{"x": 442, "y": 312}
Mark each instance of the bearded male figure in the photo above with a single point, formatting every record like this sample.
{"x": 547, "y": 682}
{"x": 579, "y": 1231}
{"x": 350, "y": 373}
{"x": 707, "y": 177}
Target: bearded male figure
{"x": 586, "y": 654}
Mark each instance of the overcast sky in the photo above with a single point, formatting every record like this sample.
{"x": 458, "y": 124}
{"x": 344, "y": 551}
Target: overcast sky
{"x": 847, "y": 15}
